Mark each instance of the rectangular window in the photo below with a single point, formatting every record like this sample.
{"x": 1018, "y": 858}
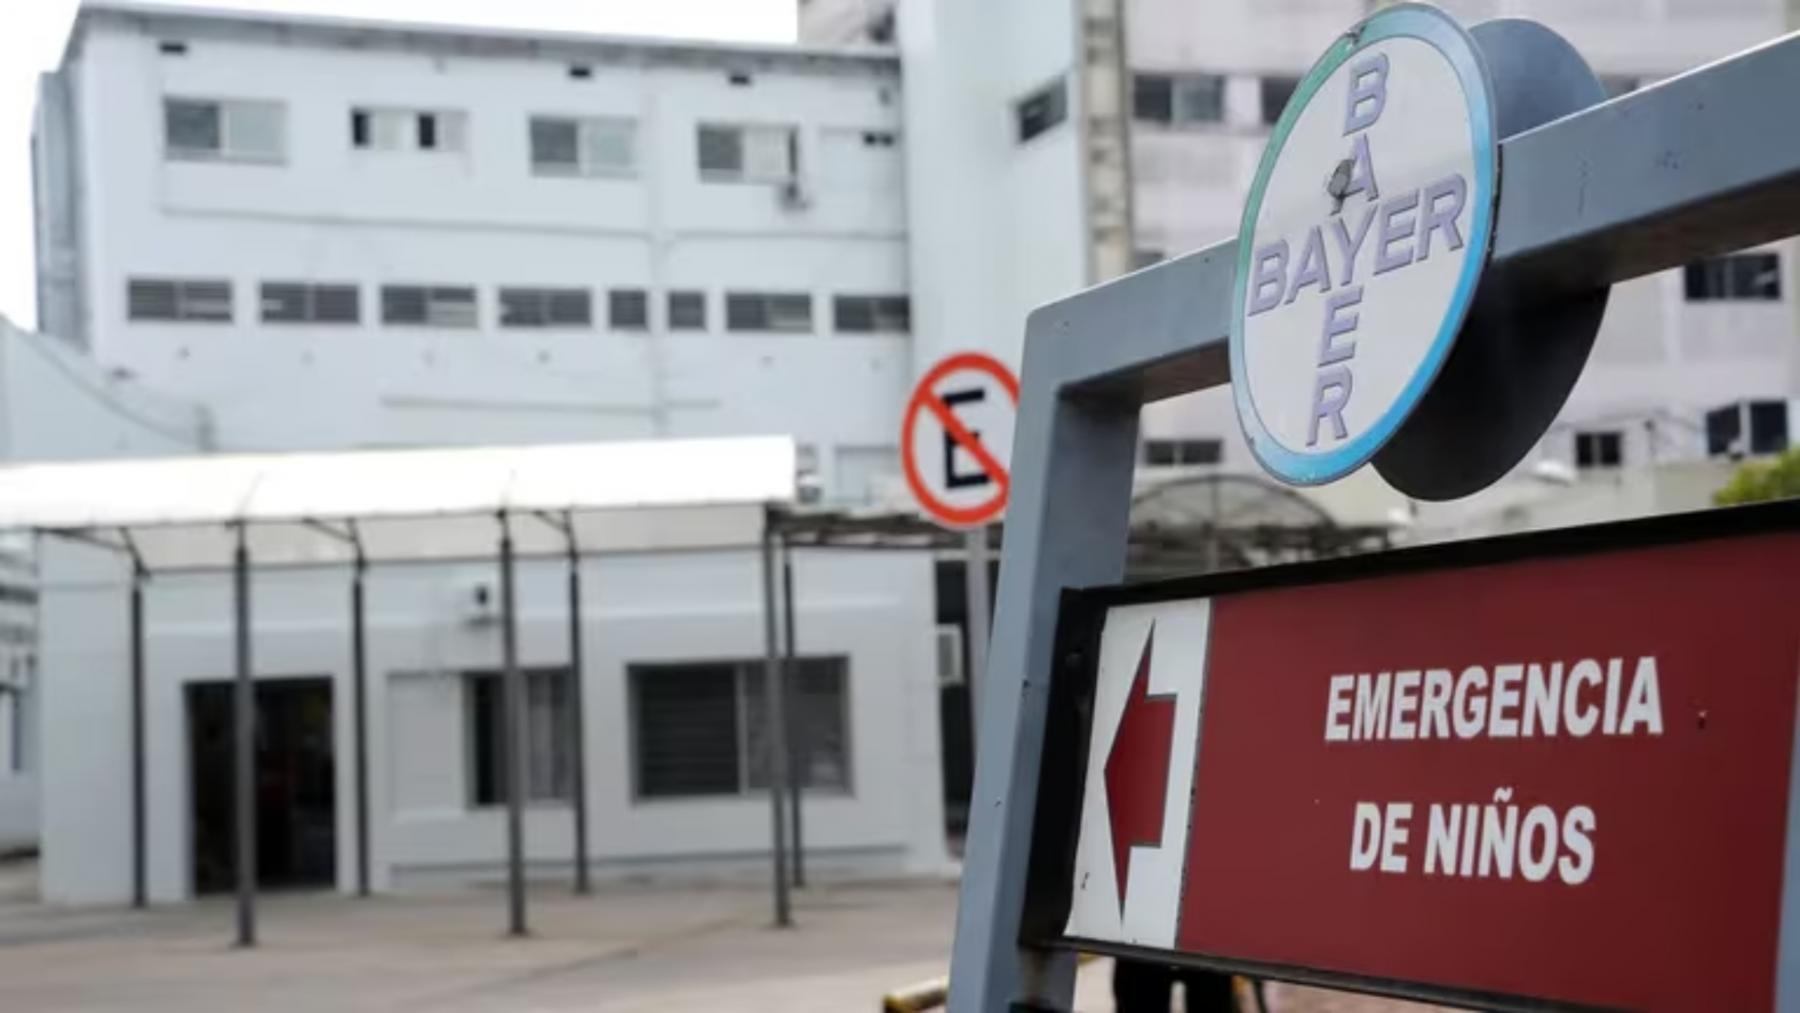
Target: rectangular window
{"x": 1276, "y": 91}
{"x": 549, "y": 761}
{"x": 789, "y": 313}
{"x": 1750, "y": 276}
{"x": 546, "y": 307}
{"x": 1041, "y": 110}
{"x": 1179, "y": 453}
{"x": 384, "y": 129}
{"x": 861, "y": 314}
{"x": 585, "y": 146}
{"x": 1603, "y": 449}
{"x": 1766, "y": 423}
{"x": 224, "y": 130}
{"x": 185, "y": 299}
{"x": 687, "y": 311}
{"x": 1178, "y": 99}
{"x": 628, "y": 309}
{"x": 701, "y": 728}
{"x": 1768, "y": 427}
{"x": 428, "y": 305}
{"x": 303, "y": 302}
{"x": 748, "y": 154}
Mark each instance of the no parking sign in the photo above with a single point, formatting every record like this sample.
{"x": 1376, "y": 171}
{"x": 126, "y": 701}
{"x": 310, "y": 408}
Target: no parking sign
{"x": 956, "y": 438}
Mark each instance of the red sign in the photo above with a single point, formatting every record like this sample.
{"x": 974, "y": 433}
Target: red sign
{"x": 1563, "y": 778}
{"x": 956, "y": 466}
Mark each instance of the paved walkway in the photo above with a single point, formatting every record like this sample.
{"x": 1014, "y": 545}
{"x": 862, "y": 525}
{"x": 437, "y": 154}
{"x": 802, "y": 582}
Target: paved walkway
{"x": 621, "y": 950}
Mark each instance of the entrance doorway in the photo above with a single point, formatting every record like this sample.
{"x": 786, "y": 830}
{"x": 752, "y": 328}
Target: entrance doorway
{"x": 296, "y": 803}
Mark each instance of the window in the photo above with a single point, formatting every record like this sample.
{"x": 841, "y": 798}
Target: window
{"x": 1753, "y": 276}
{"x": 879, "y": 138}
{"x": 546, "y": 307}
{"x": 687, "y": 311}
{"x": 1143, "y": 257}
{"x": 434, "y": 306}
{"x": 748, "y": 154}
{"x": 701, "y": 728}
{"x": 1766, "y": 422}
{"x": 761, "y": 311}
{"x": 1599, "y": 449}
{"x": 1041, "y": 110}
{"x": 302, "y": 302}
{"x": 860, "y": 314}
{"x": 1176, "y": 453}
{"x": 628, "y": 309}
{"x": 549, "y": 761}
{"x": 236, "y": 130}
{"x": 201, "y": 300}
{"x": 407, "y": 129}
{"x": 568, "y": 146}
{"x": 1178, "y": 98}
{"x": 1276, "y": 91}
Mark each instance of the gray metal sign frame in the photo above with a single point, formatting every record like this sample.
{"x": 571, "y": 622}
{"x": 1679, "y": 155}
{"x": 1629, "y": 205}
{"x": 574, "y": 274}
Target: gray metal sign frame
{"x": 1691, "y": 167}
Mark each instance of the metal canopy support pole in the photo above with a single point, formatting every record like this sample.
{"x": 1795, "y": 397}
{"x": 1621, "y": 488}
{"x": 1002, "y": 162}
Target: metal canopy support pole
{"x": 577, "y": 712}
{"x": 140, "y": 877}
{"x": 979, "y": 598}
{"x": 790, "y": 697}
{"x": 359, "y": 709}
{"x": 515, "y": 746}
{"x": 244, "y": 748}
{"x": 1649, "y": 181}
{"x": 776, "y": 747}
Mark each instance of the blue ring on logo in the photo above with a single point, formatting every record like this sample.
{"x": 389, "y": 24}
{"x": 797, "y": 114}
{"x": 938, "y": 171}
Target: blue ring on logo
{"x": 1427, "y": 24}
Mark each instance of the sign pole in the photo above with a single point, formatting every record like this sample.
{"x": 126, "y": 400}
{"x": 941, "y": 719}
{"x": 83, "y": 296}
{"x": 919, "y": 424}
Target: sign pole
{"x": 979, "y": 598}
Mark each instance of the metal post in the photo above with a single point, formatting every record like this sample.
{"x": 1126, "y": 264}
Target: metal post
{"x": 515, "y": 748}
{"x": 776, "y": 749}
{"x": 790, "y": 695}
{"x": 577, "y": 714}
{"x": 140, "y": 889}
{"x": 976, "y": 583}
{"x": 359, "y": 711}
{"x": 244, "y": 747}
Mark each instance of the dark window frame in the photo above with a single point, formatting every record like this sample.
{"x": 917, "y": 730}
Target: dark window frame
{"x": 755, "y": 312}
{"x": 535, "y": 307}
{"x": 318, "y": 300}
{"x": 429, "y": 295}
{"x": 628, "y": 309}
{"x": 189, "y": 300}
{"x": 1041, "y": 110}
{"x": 1275, "y": 91}
{"x": 485, "y": 769}
{"x": 683, "y": 319}
{"x": 1749, "y": 276}
{"x": 871, "y": 314}
{"x": 1599, "y": 448}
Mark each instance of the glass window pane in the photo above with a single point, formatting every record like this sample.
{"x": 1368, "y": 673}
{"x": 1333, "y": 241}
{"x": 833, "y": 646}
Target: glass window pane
{"x": 336, "y": 304}
{"x": 283, "y": 303}
{"x": 721, "y": 150}
{"x": 554, "y": 144}
{"x": 628, "y": 309}
{"x": 687, "y": 311}
{"x": 1768, "y": 427}
{"x": 1199, "y": 98}
{"x": 150, "y": 300}
{"x": 852, "y": 314}
{"x": 522, "y": 307}
{"x": 609, "y": 145}
{"x": 254, "y": 130}
{"x": 1276, "y": 91}
{"x": 817, "y": 736}
{"x": 569, "y": 307}
{"x": 191, "y": 127}
{"x": 402, "y": 304}
{"x": 1152, "y": 98}
{"x": 790, "y": 313}
{"x": 685, "y": 729}
{"x": 746, "y": 312}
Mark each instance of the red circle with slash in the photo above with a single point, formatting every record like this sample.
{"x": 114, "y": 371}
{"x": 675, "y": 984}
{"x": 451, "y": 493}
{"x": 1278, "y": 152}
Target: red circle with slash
{"x": 925, "y": 399}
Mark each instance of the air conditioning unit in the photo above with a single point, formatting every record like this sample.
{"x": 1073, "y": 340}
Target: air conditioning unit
{"x": 950, "y": 655}
{"x": 794, "y": 195}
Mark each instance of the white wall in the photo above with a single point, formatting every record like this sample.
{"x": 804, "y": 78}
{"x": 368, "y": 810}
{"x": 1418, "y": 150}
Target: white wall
{"x": 685, "y": 607}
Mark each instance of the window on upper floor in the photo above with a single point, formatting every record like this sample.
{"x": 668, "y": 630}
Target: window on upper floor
{"x": 1178, "y": 99}
{"x": 628, "y": 309}
{"x": 865, "y": 314}
{"x": 1599, "y": 449}
{"x": 748, "y": 154}
{"x": 786, "y": 312}
{"x": 1041, "y": 110}
{"x": 1276, "y": 92}
{"x": 199, "y": 300}
{"x": 1178, "y": 453}
{"x": 1748, "y": 276}
{"x": 687, "y": 311}
{"x": 224, "y": 130}
{"x": 583, "y": 146}
{"x": 296, "y": 302}
{"x": 546, "y": 307}
{"x": 428, "y": 305}
{"x": 701, "y": 728}
{"x": 387, "y": 129}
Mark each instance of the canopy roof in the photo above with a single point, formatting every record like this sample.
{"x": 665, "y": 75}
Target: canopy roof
{"x": 181, "y": 513}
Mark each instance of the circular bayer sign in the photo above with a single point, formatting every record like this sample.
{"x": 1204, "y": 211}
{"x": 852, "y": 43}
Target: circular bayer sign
{"x": 1363, "y": 239}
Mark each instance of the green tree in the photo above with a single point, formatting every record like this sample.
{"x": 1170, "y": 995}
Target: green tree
{"x": 1756, "y": 481}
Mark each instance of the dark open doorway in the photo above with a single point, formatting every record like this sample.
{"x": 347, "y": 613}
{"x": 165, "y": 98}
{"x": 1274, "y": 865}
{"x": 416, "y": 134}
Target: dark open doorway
{"x": 296, "y": 799}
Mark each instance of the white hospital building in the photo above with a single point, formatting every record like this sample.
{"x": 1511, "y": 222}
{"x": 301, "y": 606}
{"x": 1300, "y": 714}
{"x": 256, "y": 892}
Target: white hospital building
{"x": 262, "y": 232}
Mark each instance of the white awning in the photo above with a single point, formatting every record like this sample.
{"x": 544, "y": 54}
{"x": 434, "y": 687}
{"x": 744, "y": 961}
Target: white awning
{"x": 409, "y": 505}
